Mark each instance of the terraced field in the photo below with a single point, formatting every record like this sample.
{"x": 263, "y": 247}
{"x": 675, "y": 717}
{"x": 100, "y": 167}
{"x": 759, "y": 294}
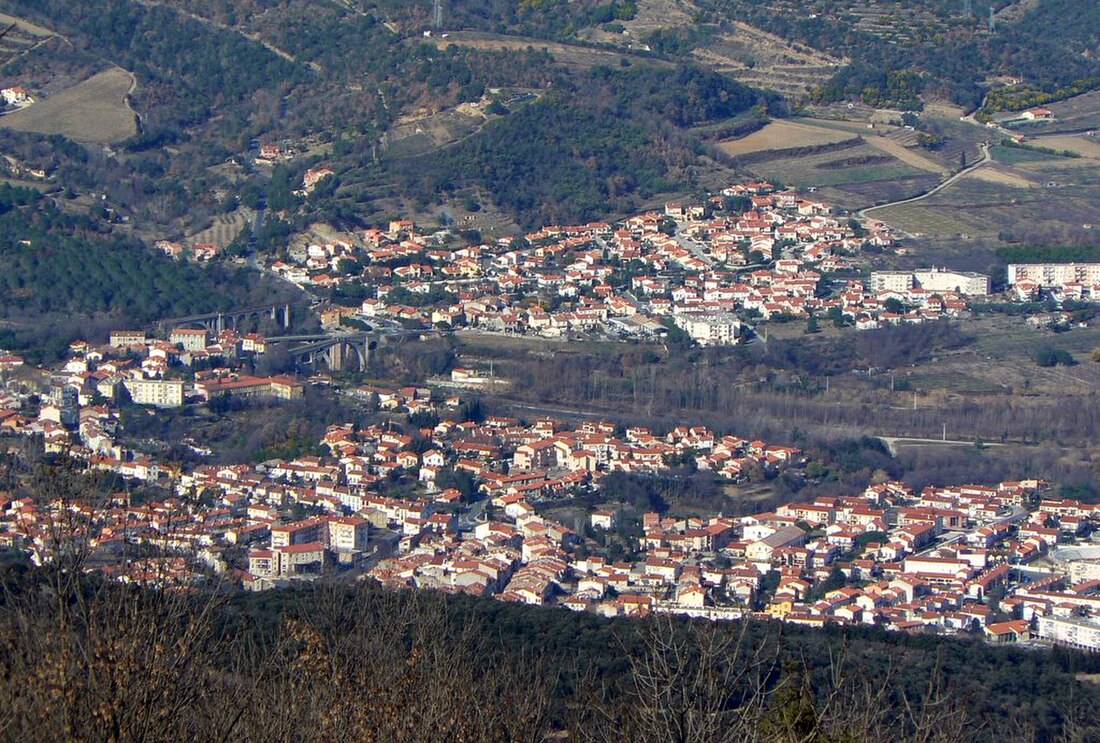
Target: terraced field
{"x": 224, "y": 229}
{"x": 764, "y": 60}
{"x": 19, "y": 37}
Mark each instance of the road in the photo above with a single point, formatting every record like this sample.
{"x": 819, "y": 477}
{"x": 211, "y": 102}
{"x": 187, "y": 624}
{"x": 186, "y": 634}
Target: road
{"x": 694, "y": 248}
{"x": 986, "y": 157}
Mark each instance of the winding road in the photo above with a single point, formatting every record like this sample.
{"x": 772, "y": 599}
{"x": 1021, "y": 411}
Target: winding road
{"x": 986, "y": 157}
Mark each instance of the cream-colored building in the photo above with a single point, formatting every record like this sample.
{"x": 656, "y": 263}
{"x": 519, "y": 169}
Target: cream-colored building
{"x": 891, "y": 281}
{"x": 163, "y": 393}
{"x": 943, "y": 280}
{"x": 348, "y": 533}
{"x": 190, "y": 339}
{"x": 125, "y": 338}
{"x": 1054, "y": 274}
{"x": 1076, "y": 632}
{"x": 932, "y": 279}
{"x": 788, "y": 536}
{"x": 711, "y": 328}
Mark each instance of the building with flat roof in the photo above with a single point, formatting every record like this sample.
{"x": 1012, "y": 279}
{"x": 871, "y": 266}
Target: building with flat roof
{"x": 126, "y": 338}
{"x": 161, "y": 393}
{"x": 1054, "y": 274}
{"x": 1075, "y": 632}
{"x": 932, "y": 279}
{"x": 243, "y": 386}
{"x": 710, "y": 328}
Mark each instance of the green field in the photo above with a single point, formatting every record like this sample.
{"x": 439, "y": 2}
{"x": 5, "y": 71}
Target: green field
{"x": 1017, "y": 155}
{"x": 977, "y": 207}
{"x": 829, "y": 169}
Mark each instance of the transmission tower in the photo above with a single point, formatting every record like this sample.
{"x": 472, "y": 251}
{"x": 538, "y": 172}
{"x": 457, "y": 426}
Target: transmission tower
{"x": 437, "y": 13}
{"x": 992, "y": 21}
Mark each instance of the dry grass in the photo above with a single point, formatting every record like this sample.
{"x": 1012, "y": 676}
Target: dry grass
{"x": 1083, "y": 145}
{"x": 1000, "y": 174}
{"x": 93, "y": 111}
{"x": 906, "y": 155}
{"x": 781, "y": 135}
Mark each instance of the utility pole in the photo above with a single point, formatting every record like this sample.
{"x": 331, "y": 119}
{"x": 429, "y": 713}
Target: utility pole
{"x": 945, "y": 432}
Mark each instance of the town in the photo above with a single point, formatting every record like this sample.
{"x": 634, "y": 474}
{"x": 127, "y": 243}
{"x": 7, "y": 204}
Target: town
{"x": 433, "y": 495}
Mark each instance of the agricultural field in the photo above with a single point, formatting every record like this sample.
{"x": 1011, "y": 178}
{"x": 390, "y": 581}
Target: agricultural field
{"x": 1073, "y": 114}
{"x": 852, "y": 177}
{"x": 781, "y": 135}
{"x": 94, "y": 111}
{"x": 1083, "y": 145}
{"x": 19, "y": 37}
{"x": 1003, "y": 175}
{"x": 990, "y": 205}
{"x": 907, "y": 154}
{"x": 224, "y": 229}
{"x": 1017, "y": 155}
{"x": 424, "y": 134}
{"x": 761, "y": 59}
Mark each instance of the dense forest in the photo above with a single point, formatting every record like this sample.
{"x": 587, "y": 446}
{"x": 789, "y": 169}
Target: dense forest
{"x": 83, "y": 659}
{"x": 64, "y": 269}
{"x": 611, "y": 139}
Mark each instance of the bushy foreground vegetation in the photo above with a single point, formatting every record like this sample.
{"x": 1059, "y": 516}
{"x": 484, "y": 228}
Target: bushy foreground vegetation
{"x": 89, "y": 660}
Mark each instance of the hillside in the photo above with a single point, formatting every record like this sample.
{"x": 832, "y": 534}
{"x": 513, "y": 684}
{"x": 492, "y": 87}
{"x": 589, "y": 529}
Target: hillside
{"x": 297, "y": 665}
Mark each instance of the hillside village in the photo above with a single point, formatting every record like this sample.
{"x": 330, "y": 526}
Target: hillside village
{"x": 750, "y": 253}
{"x": 458, "y": 507}
{"x": 431, "y": 495}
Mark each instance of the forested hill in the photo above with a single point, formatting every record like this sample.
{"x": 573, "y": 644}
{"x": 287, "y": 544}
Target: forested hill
{"x": 612, "y": 109}
{"x": 214, "y": 76}
{"x": 613, "y": 139}
{"x": 61, "y": 275}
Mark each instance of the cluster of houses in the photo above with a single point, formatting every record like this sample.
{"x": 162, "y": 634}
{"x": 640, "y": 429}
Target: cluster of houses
{"x": 942, "y": 560}
{"x": 459, "y": 506}
{"x": 78, "y": 403}
{"x": 750, "y": 252}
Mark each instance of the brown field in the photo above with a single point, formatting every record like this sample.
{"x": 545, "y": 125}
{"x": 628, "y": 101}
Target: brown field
{"x": 781, "y": 135}
{"x": 93, "y": 111}
{"x": 906, "y": 155}
{"x": 995, "y": 173}
{"x": 1083, "y": 145}
{"x": 980, "y": 206}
